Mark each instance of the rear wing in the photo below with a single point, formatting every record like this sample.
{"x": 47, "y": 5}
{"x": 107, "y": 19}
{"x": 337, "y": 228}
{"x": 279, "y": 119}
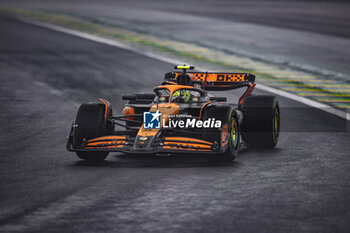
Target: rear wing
{"x": 214, "y": 81}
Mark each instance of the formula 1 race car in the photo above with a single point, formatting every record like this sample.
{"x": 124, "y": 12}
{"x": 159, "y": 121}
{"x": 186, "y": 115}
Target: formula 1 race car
{"x": 181, "y": 116}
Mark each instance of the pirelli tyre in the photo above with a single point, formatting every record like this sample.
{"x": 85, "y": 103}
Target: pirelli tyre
{"x": 227, "y": 137}
{"x": 261, "y": 121}
{"x": 90, "y": 123}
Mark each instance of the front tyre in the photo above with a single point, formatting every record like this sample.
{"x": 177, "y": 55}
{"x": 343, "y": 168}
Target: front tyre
{"x": 227, "y": 137}
{"x": 92, "y": 156}
{"x": 91, "y": 123}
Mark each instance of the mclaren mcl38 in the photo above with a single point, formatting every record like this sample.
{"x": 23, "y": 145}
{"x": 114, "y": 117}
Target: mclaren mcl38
{"x": 180, "y": 116}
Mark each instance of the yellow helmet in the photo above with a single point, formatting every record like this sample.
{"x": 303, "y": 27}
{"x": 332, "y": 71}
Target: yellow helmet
{"x": 185, "y": 94}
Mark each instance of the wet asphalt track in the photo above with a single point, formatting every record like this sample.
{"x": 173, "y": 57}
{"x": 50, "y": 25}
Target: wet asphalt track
{"x": 301, "y": 186}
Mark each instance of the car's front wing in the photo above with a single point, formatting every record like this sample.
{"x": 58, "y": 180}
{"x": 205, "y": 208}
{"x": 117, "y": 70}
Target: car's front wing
{"x": 164, "y": 145}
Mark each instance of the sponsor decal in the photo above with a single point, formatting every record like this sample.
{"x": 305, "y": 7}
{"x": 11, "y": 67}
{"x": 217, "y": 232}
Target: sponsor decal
{"x": 151, "y": 120}
{"x": 143, "y": 138}
{"x": 192, "y": 123}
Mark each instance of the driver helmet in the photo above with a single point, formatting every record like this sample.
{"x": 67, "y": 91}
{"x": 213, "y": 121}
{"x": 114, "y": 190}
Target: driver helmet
{"x": 184, "y": 95}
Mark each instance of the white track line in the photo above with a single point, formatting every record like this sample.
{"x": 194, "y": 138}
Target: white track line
{"x": 118, "y": 44}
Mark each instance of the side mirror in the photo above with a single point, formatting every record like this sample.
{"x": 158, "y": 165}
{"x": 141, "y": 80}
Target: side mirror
{"x": 128, "y": 97}
{"x": 218, "y": 99}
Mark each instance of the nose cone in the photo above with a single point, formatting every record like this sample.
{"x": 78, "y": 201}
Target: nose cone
{"x": 166, "y": 109}
{"x": 143, "y": 142}
{"x": 145, "y": 137}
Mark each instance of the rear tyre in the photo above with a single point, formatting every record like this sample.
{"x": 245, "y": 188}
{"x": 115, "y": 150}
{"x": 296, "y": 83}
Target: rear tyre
{"x": 227, "y": 137}
{"x": 261, "y": 121}
{"x": 91, "y": 123}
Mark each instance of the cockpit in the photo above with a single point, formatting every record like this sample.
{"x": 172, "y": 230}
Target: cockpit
{"x": 183, "y": 95}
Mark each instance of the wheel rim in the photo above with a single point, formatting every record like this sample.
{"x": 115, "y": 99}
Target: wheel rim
{"x": 234, "y": 133}
{"x": 276, "y": 125}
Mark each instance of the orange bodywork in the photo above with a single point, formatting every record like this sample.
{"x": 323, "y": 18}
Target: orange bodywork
{"x": 247, "y": 93}
{"x": 201, "y": 112}
{"x": 178, "y": 147}
{"x": 166, "y": 109}
{"x": 185, "y": 143}
{"x": 173, "y": 88}
{"x": 189, "y": 140}
{"x": 107, "y": 142}
{"x": 106, "y": 106}
{"x": 224, "y": 135}
{"x": 129, "y": 111}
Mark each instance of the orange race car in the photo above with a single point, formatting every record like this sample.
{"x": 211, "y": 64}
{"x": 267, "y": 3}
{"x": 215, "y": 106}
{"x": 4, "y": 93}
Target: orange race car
{"x": 181, "y": 116}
